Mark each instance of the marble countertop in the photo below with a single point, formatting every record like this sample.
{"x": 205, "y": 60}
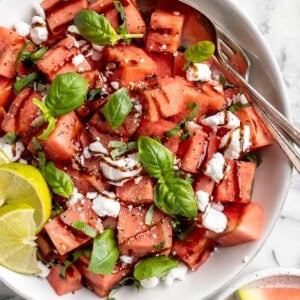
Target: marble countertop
{"x": 279, "y": 22}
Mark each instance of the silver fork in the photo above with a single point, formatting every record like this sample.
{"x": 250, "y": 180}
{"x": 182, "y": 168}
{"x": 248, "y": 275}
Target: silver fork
{"x": 228, "y": 53}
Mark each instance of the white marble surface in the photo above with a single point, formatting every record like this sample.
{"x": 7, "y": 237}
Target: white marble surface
{"x": 280, "y": 23}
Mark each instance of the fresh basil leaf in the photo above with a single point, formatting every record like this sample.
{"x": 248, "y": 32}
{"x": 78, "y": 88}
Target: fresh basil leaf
{"x": 59, "y": 181}
{"x": 66, "y": 93}
{"x": 182, "y": 227}
{"x": 97, "y": 29}
{"x": 64, "y": 268}
{"x": 85, "y": 228}
{"x": 99, "y": 92}
{"x": 117, "y": 108}
{"x": 25, "y": 81}
{"x": 121, "y": 148}
{"x": 175, "y": 196}
{"x": 38, "y": 54}
{"x": 105, "y": 253}
{"x": 149, "y": 215}
{"x": 23, "y": 53}
{"x": 155, "y": 266}
{"x": 122, "y": 16}
{"x": 157, "y": 160}
{"x": 254, "y": 157}
{"x": 199, "y": 52}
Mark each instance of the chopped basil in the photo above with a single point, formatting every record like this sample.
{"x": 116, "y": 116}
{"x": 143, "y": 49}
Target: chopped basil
{"x": 117, "y": 108}
{"x": 25, "y": 81}
{"x": 182, "y": 227}
{"x": 122, "y": 17}
{"x": 99, "y": 92}
{"x": 105, "y": 253}
{"x": 10, "y": 138}
{"x": 121, "y": 148}
{"x": 59, "y": 181}
{"x": 199, "y": 52}
{"x": 64, "y": 268}
{"x": 150, "y": 214}
{"x": 254, "y": 157}
{"x": 237, "y": 106}
{"x": 155, "y": 266}
{"x": 97, "y": 29}
{"x": 85, "y": 228}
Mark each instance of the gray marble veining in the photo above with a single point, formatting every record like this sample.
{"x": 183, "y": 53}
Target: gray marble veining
{"x": 279, "y": 22}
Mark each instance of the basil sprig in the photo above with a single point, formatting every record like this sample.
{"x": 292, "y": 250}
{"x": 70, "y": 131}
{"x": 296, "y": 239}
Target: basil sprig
{"x": 172, "y": 195}
{"x": 199, "y": 52}
{"x": 66, "y": 93}
{"x": 59, "y": 181}
{"x": 97, "y": 29}
{"x": 156, "y": 266}
{"x": 105, "y": 253}
{"x": 117, "y": 108}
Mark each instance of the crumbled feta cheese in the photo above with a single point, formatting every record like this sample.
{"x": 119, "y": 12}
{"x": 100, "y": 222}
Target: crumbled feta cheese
{"x": 73, "y": 29}
{"x": 103, "y": 205}
{"x": 198, "y": 72}
{"x": 177, "y": 273}
{"x": 91, "y": 195}
{"x": 125, "y": 259}
{"x": 13, "y": 152}
{"x": 215, "y": 167}
{"x": 77, "y": 60}
{"x": 245, "y": 259}
{"x": 97, "y": 47}
{"x": 240, "y": 98}
{"x": 44, "y": 270}
{"x": 115, "y": 85}
{"x": 74, "y": 198}
{"x": 225, "y": 119}
{"x": 149, "y": 282}
{"x": 202, "y": 198}
{"x": 22, "y": 28}
{"x": 86, "y": 152}
{"x": 236, "y": 142}
{"x": 214, "y": 220}
{"x": 39, "y": 35}
{"x": 98, "y": 147}
{"x": 121, "y": 170}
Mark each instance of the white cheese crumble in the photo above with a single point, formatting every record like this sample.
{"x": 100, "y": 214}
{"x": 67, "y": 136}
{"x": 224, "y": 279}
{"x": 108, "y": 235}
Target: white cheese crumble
{"x": 39, "y": 31}
{"x": 98, "y": 147}
{"x": 13, "y": 152}
{"x": 202, "y": 198}
{"x": 73, "y": 29}
{"x": 214, "y": 220}
{"x": 105, "y": 205}
{"x": 198, "y": 72}
{"x": 222, "y": 119}
{"x": 215, "y": 167}
{"x": 121, "y": 170}
{"x": 241, "y": 98}
{"x": 39, "y": 10}
{"x": 125, "y": 259}
{"x": 74, "y": 198}
{"x": 115, "y": 85}
{"x": 44, "y": 270}
{"x": 22, "y": 28}
{"x": 177, "y": 273}
{"x": 149, "y": 282}
{"x": 77, "y": 60}
{"x": 236, "y": 142}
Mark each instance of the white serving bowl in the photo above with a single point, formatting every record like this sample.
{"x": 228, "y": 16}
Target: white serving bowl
{"x": 269, "y": 190}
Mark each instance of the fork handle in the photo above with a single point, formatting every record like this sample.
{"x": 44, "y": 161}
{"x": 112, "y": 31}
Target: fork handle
{"x": 274, "y": 115}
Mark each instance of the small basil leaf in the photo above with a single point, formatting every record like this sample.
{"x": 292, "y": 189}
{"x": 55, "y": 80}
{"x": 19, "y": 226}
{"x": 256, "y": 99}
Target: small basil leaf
{"x": 85, "y": 228}
{"x": 149, "y": 215}
{"x": 95, "y": 28}
{"x": 25, "y": 81}
{"x": 59, "y": 181}
{"x": 157, "y": 160}
{"x": 99, "y": 92}
{"x": 117, "y": 108}
{"x": 122, "y": 16}
{"x": 38, "y": 54}
{"x": 176, "y": 197}
{"x": 66, "y": 93}
{"x": 155, "y": 266}
{"x": 199, "y": 52}
{"x": 105, "y": 253}
{"x": 121, "y": 148}
{"x": 10, "y": 138}
{"x": 23, "y": 53}
{"x": 237, "y": 106}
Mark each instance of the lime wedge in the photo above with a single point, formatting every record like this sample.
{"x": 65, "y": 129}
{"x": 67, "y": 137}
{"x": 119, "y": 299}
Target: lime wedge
{"x": 18, "y": 251}
{"x": 24, "y": 183}
{"x": 3, "y": 158}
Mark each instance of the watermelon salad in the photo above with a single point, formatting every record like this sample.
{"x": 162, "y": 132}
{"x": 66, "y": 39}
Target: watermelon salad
{"x": 149, "y": 151}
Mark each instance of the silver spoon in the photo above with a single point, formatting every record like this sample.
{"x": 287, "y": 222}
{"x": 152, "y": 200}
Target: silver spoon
{"x": 236, "y": 68}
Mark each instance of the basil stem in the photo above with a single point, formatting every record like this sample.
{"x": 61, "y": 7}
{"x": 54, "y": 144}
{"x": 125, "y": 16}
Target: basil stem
{"x": 105, "y": 253}
{"x": 117, "y": 108}
{"x": 85, "y": 228}
{"x": 59, "y": 181}
{"x": 199, "y": 52}
{"x": 156, "y": 266}
{"x": 25, "y": 81}
{"x": 122, "y": 16}
{"x": 172, "y": 132}
{"x": 97, "y": 29}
